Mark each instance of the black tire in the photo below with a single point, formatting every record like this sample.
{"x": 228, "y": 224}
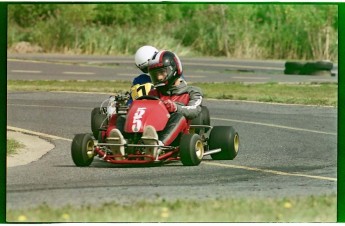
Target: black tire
{"x": 323, "y": 65}
{"x": 99, "y": 137}
{"x": 292, "y": 71}
{"x": 312, "y": 68}
{"x": 97, "y": 120}
{"x": 294, "y": 65}
{"x": 226, "y": 138}
{"x": 308, "y": 69}
{"x": 198, "y": 120}
{"x": 322, "y": 72}
{"x": 93, "y": 112}
{"x": 203, "y": 118}
{"x": 82, "y": 149}
{"x": 191, "y": 149}
{"x": 293, "y": 68}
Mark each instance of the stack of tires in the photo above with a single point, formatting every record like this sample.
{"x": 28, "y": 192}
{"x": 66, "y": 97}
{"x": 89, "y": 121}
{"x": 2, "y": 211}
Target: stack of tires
{"x": 308, "y": 68}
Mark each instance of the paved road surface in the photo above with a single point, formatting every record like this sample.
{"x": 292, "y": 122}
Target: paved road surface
{"x": 62, "y": 67}
{"x": 286, "y": 150}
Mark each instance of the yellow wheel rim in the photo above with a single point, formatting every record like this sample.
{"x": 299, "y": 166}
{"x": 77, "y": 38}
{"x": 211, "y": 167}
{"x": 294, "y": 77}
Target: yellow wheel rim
{"x": 199, "y": 149}
{"x": 236, "y": 142}
{"x": 89, "y": 149}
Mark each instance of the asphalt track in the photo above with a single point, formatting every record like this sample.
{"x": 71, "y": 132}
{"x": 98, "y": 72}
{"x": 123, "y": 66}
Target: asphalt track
{"x": 62, "y": 67}
{"x": 286, "y": 150}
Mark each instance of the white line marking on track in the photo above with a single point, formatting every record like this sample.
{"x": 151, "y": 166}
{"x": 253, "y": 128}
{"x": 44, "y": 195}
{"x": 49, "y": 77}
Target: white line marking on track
{"x": 221, "y": 119}
{"x": 207, "y": 163}
{"x": 269, "y": 103}
{"x": 36, "y": 133}
{"x": 46, "y": 106}
{"x": 123, "y": 74}
{"x": 196, "y": 76}
{"x": 80, "y": 92}
{"x": 270, "y": 171}
{"x": 26, "y": 71}
{"x": 258, "y": 78}
{"x": 78, "y": 73}
{"x": 131, "y": 75}
{"x": 276, "y": 126}
{"x": 236, "y": 66}
{"x": 319, "y": 80}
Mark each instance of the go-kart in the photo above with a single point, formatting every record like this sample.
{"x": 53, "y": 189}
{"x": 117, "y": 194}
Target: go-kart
{"x": 196, "y": 139}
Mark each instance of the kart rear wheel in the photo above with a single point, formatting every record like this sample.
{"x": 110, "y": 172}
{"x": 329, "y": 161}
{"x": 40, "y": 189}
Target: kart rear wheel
{"x": 203, "y": 118}
{"x": 225, "y": 138}
{"x": 82, "y": 149}
{"x": 191, "y": 149}
{"x": 93, "y": 112}
{"x": 97, "y": 119}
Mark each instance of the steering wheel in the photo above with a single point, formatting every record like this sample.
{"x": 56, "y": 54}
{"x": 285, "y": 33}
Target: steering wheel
{"x": 147, "y": 97}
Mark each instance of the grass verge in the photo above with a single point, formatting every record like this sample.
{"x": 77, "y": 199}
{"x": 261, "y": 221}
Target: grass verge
{"x": 298, "y": 209}
{"x": 13, "y": 146}
{"x": 324, "y": 94}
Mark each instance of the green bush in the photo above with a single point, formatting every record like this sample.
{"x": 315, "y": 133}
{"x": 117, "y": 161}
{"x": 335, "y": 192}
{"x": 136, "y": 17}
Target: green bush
{"x": 257, "y": 31}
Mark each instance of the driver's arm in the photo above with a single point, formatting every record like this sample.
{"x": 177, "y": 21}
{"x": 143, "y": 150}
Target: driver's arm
{"x": 193, "y": 108}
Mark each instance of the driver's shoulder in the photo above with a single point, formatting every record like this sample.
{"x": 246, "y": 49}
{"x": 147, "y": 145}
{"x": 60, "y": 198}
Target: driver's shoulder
{"x": 194, "y": 89}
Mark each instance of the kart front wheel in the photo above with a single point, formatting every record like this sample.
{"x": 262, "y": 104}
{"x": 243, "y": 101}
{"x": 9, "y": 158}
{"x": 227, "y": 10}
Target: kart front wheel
{"x": 82, "y": 150}
{"x": 225, "y": 138}
{"x": 191, "y": 149}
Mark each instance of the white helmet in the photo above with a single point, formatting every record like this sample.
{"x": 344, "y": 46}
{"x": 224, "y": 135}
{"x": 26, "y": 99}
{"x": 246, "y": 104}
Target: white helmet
{"x": 142, "y": 57}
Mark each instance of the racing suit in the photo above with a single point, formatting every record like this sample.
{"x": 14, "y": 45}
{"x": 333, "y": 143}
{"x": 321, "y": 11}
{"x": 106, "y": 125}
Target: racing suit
{"x": 188, "y": 100}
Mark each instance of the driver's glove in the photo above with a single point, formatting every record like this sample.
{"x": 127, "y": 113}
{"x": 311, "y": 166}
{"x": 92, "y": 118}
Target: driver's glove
{"x": 170, "y": 105}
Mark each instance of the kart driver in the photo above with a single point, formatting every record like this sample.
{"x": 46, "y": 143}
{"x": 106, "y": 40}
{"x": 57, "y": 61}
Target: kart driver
{"x": 142, "y": 84}
{"x": 182, "y": 101}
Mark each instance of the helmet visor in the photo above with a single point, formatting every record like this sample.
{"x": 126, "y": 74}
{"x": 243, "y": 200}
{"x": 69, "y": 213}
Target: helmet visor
{"x": 158, "y": 75}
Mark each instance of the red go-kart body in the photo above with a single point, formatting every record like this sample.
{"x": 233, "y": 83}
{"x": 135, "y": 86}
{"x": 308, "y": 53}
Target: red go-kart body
{"x": 140, "y": 114}
{"x": 146, "y": 112}
{"x": 192, "y": 142}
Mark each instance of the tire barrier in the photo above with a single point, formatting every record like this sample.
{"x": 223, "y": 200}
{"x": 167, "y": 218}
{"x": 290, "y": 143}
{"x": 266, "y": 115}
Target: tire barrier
{"x": 308, "y": 68}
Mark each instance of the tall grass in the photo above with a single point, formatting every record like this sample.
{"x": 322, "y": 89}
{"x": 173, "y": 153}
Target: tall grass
{"x": 254, "y": 31}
